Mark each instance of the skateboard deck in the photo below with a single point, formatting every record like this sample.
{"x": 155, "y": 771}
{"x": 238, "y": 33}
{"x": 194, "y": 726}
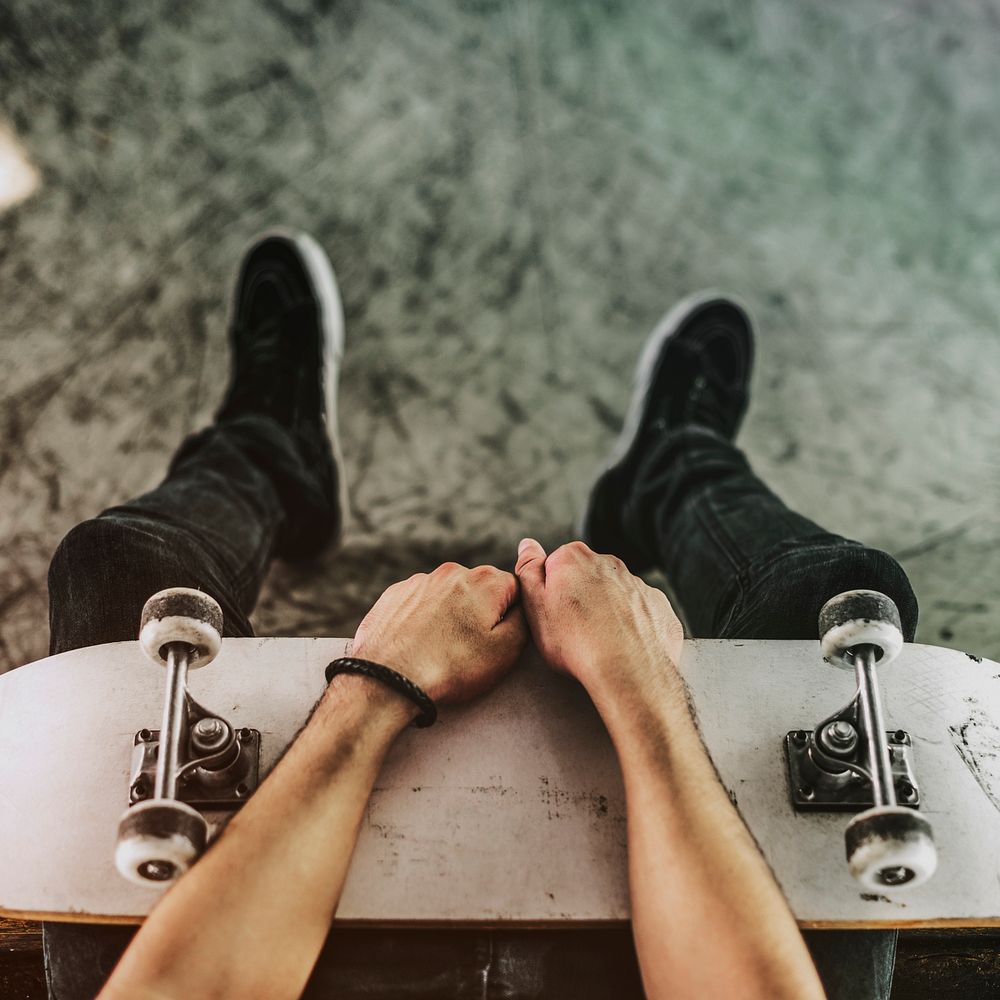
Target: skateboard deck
{"x": 511, "y": 809}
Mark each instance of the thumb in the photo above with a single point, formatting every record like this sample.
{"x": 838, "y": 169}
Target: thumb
{"x": 530, "y": 568}
{"x": 512, "y": 631}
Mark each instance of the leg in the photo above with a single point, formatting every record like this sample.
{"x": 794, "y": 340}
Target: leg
{"x": 211, "y": 525}
{"x": 740, "y": 564}
{"x": 680, "y": 496}
{"x": 262, "y": 480}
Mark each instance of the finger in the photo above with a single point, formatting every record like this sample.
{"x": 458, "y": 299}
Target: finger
{"x": 512, "y": 628}
{"x": 448, "y": 569}
{"x": 506, "y": 590}
{"x": 498, "y": 589}
{"x": 530, "y": 568}
{"x": 573, "y": 553}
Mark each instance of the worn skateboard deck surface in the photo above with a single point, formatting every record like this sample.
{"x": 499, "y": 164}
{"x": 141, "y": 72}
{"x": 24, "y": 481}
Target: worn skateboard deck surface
{"x": 510, "y": 809}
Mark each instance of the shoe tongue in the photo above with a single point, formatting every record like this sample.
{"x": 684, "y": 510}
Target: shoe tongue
{"x": 715, "y": 397}
{"x": 721, "y": 359}
{"x": 265, "y": 304}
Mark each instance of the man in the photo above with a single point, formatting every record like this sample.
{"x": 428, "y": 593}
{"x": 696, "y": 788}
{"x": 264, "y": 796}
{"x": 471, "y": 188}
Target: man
{"x": 266, "y": 479}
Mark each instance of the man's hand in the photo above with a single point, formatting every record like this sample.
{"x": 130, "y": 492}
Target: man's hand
{"x": 594, "y": 620}
{"x": 455, "y": 631}
{"x": 733, "y": 936}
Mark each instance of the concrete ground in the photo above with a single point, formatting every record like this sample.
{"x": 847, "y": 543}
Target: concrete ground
{"x": 512, "y": 192}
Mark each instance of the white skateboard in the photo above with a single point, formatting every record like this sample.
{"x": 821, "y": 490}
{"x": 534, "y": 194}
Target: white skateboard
{"x": 510, "y": 810}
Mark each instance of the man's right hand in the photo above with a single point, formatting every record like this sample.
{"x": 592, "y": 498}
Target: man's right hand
{"x": 591, "y": 618}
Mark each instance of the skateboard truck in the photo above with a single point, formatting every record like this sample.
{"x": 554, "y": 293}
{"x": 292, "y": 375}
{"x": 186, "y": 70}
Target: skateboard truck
{"x": 850, "y": 761}
{"x": 195, "y": 758}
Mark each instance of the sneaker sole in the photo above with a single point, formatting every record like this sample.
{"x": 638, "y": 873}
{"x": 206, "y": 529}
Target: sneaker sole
{"x": 642, "y": 384}
{"x": 332, "y": 327}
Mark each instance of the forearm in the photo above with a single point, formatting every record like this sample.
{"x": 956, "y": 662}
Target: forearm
{"x": 708, "y": 917}
{"x": 250, "y": 917}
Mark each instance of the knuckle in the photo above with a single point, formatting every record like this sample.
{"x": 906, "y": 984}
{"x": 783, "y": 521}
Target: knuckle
{"x": 573, "y": 554}
{"x": 560, "y": 555}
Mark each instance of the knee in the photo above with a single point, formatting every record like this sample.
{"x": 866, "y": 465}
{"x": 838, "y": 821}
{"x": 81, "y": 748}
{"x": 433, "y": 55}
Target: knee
{"x": 857, "y": 567}
{"x": 102, "y": 572}
{"x": 96, "y": 549}
{"x": 880, "y": 571}
{"x": 783, "y": 600}
{"x": 80, "y": 547}
{"x": 106, "y": 568}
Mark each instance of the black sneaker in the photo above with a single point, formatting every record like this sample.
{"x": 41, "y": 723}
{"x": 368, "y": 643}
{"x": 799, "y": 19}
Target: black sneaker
{"x": 287, "y": 340}
{"x": 694, "y": 369}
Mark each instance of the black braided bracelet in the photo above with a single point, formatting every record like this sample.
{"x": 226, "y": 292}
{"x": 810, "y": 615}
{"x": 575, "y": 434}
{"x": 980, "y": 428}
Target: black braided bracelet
{"x": 352, "y": 665}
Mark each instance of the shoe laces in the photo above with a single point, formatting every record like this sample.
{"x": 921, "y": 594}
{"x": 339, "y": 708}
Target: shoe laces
{"x": 709, "y": 398}
{"x": 265, "y": 369}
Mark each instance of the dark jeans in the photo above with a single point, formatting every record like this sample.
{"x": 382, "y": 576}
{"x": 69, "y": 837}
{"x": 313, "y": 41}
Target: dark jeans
{"x": 739, "y": 563}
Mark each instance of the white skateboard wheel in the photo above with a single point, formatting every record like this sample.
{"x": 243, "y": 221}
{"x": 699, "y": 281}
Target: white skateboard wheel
{"x": 158, "y": 841}
{"x": 859, "y": 618}
{"x": 181, "y": 615}
{"x": 890, "y": 848}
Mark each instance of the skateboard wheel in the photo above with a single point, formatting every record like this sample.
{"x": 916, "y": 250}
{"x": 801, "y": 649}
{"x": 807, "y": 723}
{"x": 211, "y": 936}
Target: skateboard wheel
{"x": 181, "y": 615}
{"x": 890, "y": 848}
{"x": 158, "y": 841}
{"x": 859, "y": 618}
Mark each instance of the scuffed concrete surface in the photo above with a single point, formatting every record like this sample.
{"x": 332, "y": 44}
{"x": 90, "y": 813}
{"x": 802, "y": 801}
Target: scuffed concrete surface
{"x": 511, "y": 193}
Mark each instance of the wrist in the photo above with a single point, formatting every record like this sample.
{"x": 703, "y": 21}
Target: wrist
{"x": 651, "y": 726}
{"x": 422, "y": 669}
{"x": 625, "y": 686}
{"x": 365, "y": 711}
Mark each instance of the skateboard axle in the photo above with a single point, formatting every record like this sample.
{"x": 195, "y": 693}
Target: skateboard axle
{"x": 194, "y": 759}
{"x": 870, "y": 705}
{"x": 171, "y": 730}
{"x": 849, "y": 761}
